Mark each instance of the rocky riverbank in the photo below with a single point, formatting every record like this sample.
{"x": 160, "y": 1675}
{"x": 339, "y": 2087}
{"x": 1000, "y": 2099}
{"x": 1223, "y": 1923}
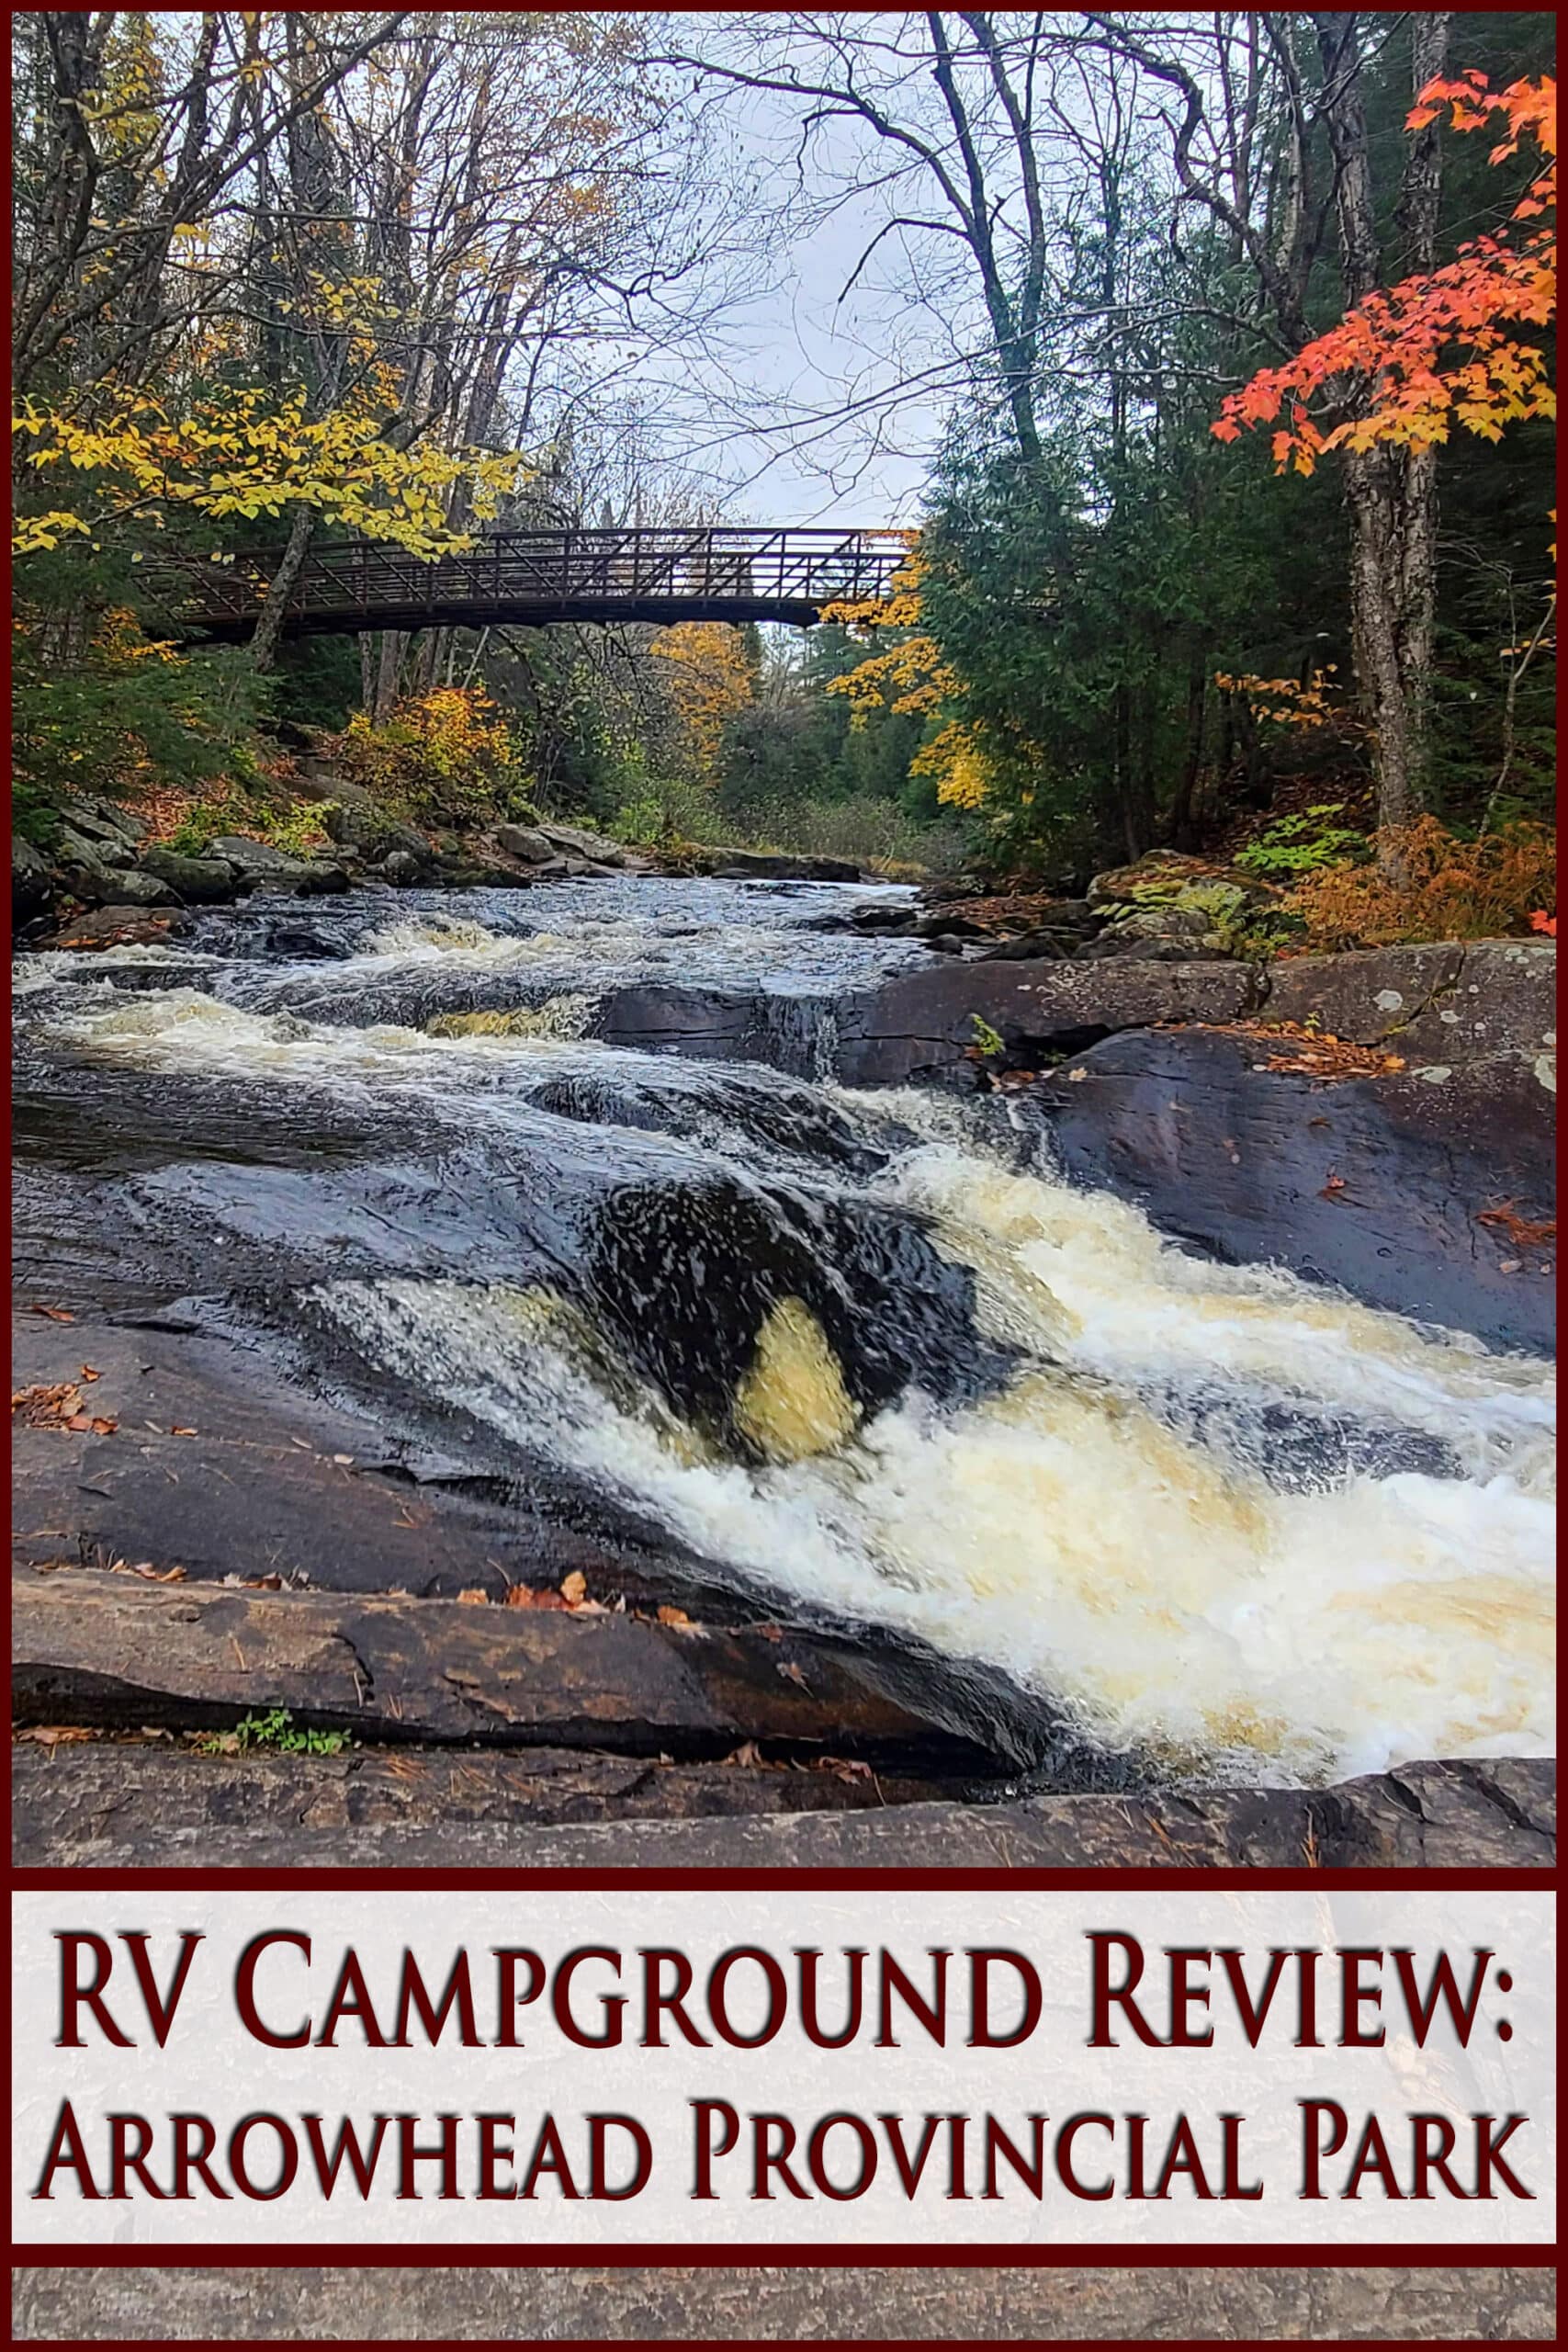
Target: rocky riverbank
{"x": 103, "y": 866}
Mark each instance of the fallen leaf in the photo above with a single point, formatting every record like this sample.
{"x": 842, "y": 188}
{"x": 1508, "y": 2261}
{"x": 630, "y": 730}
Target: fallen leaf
{"x": 475, "y": 1595}
{"x": 751, "y": 1756}
{"x": 524, "y": 1596}
{"x": 55, "y": 1314}
{"x": 53, "y": 1734}
{"x": 667, "y": 1616}
{"x": 344, "y": 1458}
{"x": 574, "y": 1587}
{"x": 178, "y": 1431}
{"x": 88, "y": 1371}
{"x": 1524, "y": 1233}
{"x": 791, "y": 1673}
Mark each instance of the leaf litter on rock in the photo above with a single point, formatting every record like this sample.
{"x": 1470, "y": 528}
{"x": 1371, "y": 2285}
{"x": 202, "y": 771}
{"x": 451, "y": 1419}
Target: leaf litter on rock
{"x": 57, "y": 1405}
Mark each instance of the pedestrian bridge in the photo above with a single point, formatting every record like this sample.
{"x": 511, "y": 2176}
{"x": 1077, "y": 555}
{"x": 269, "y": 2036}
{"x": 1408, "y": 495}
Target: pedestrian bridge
{"x": 529, "y": 579}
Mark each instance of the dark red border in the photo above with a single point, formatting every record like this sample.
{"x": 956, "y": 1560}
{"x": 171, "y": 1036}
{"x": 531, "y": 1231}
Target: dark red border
{"x": 1111, "y": 1881}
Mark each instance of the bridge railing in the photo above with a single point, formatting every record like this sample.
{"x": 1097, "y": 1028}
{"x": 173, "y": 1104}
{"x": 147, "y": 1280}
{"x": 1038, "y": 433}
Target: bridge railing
{"x": 519, "y": 572}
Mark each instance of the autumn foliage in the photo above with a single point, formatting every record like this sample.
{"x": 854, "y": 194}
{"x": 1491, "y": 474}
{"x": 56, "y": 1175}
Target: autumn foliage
{"x": 912, "y": 679}
{"x": 1441, "y": 349}
{"x": 1432, "y": 886}
{"x": 442, "y": 756}
{"x": 710, "y": 681}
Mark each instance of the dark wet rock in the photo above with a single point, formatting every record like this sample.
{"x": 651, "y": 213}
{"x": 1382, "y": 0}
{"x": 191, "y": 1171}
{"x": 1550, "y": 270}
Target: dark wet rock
{"x": 32, "y": 883}
{"x": 778, "y": 866}
{"x": 400, "y": 868}
{"x": 897, "y": 921}
{"x": 947, "y": 943}
{"x": 922, "y": 1023}
{"x": 199, "y": 881}
{"x": 1377, "y": 1185}
{"x": 945, "y": 925}
{"x": 715, "y": 1024}
{"x": 92, "y": 1646}
{"x": 688, "y": 1275}
{"x": 1032, "y": 947}
{"x": 121, "y": 926}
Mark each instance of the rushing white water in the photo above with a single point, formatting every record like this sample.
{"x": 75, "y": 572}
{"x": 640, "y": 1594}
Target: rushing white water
{"x": 1085, "y": 1527}
{"x": 1158, "y": 1587}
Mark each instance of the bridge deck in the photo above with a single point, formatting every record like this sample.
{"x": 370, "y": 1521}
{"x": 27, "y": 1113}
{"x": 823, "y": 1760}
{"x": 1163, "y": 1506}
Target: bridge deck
{"x": 531, "y": 578}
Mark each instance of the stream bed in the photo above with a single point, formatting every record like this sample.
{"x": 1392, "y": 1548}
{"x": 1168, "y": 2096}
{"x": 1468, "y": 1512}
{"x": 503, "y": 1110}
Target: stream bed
{"x": 860, "y": 1355}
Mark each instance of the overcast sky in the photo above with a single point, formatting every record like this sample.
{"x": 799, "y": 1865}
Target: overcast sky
{"x": 795, "y": 345}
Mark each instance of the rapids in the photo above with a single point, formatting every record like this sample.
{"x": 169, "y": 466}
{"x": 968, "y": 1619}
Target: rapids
{"x": 862, "y": 1354}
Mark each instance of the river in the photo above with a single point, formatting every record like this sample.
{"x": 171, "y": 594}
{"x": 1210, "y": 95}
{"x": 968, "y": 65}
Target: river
{"x": 863, "y": 1354}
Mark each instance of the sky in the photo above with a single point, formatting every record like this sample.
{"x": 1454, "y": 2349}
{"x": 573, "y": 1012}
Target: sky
{"x": 794, "y": 344}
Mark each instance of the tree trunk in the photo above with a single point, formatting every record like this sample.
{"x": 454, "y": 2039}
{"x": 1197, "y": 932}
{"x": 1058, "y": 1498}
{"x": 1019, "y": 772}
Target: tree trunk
{"x": 386, "y": 675}
{"x": 1374, "y": 493}
{"x": 1183, "y": 829}
{"x": 279, "y": 588}
{"x": 1392, "y": 493}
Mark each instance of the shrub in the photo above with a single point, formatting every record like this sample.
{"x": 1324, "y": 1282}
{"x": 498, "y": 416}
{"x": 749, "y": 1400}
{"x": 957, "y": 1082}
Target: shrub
{"x": 443, "y": 757}
{"x": 1430, "y": 884}
{"x": 1303, "y": 844}
{"x": 667, "y": 809}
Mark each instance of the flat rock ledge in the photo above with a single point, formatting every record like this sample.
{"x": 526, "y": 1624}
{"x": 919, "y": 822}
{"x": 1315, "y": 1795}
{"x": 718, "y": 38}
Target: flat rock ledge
{"x": 106, "y": 1806}
{"x": 1511, "y": 2302}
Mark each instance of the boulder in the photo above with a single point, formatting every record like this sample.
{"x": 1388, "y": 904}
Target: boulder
{"x": 528, "y": 843}
{"x": 91, "y": 877}
{"x": 260, "y": 866}
{"x": 897, "y": 921}
{"x": 360, "y": 825}
{"x": 1446, "y": 1002}
{"x": 575, "y": 841}
{"x": 199, "y": 881}
{"x": 1166, "y": 876}
{"x": 111, "y": 927}
{"x": 91, "y": 872}
{"x": 1170, "y": 905}
{"x": 31, "y": 880}
{"x": 400, "y": 869}
{"x": 778, "y": 865}
{"x": 106, "y": 820}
